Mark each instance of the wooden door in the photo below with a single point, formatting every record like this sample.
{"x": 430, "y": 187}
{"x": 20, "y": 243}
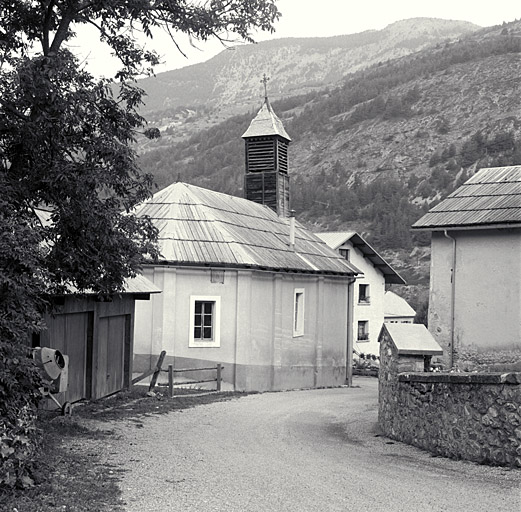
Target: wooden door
{"x": 69, "y": 333}
{"x": 113, "y": 338}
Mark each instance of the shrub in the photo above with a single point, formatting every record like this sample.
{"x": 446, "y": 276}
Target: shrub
{"x": 19, "y": 396}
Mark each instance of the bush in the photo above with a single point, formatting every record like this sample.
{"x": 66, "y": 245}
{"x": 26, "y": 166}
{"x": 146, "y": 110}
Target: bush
{"x": 19, "y": 396}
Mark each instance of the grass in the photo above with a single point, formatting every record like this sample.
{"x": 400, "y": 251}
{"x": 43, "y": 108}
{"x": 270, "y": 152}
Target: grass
{"x": 71, "y": 476}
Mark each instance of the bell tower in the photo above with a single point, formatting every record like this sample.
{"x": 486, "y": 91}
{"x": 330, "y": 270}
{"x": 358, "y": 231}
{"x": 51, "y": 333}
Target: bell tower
{"x": 267, "y": 180}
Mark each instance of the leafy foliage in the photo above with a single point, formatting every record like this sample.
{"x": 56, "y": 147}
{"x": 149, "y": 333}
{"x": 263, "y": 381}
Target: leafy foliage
{"x": 66, "y": 147}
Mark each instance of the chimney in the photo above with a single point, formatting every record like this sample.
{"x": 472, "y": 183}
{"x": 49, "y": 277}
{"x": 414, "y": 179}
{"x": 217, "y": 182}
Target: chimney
{"x": 292, "y": 230}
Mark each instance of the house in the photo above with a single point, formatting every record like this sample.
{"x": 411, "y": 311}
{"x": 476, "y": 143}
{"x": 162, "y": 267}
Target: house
{"x": 98, "y": 338}
{"x": 244, "y": 284}
{"x": 397, "y": 310}
{"x": 475, "y": 282}
{"x": 368, "y": 294}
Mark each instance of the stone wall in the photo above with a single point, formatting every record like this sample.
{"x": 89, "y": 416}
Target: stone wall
{"x": 459, "y": 415}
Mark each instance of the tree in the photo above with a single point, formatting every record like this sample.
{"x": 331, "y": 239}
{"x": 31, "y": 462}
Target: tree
{"x": 66, "y": 146}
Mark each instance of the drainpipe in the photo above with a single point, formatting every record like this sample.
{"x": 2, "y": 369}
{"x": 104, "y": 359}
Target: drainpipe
{"x": 452, "y": 298}
{"x": 292, "y": 230}
{"x": 350, "y": 327}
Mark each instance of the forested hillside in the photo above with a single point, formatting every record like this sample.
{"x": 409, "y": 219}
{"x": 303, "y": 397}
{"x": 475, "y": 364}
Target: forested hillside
{"x": 373, "y": 154}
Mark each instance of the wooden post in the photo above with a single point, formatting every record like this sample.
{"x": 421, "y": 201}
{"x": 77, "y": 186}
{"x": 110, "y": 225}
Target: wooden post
{"x": 170, "y": 380}
{"x": 219, "y": 377}
{"x": 157, "y": 371}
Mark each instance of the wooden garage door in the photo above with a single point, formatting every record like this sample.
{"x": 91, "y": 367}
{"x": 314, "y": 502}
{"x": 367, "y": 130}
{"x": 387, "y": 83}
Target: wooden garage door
{"x": 113, "y": 338}
{"x": 68, "y": 333}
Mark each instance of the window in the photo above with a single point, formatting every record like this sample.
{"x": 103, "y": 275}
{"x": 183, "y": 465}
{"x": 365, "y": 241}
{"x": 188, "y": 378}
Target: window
{"x": 363, "y": 294}
{"x": 205, "y": 317}
{"x": 298, "y": 312}
{"x": 344, "y": 253}
{"x": 363, "y": 331}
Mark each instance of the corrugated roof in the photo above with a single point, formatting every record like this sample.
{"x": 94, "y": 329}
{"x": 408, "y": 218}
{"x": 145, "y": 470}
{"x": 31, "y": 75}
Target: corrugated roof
{"x": 412, "y": 339}
{"x": 396, "y": 306}
{"x": 140, "y": 284}
{"x": 202, "y": 227}
{"x": 492, "y": 197}
{"x": 266, "y": 122}
{"x": 338, "y": 238}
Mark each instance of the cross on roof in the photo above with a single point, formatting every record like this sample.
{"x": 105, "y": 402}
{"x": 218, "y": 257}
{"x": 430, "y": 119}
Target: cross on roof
{"x": 264, "y": 81}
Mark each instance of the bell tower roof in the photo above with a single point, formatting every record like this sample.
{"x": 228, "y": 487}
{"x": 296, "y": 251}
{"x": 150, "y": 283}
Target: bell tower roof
{"x": 266, "y": 122}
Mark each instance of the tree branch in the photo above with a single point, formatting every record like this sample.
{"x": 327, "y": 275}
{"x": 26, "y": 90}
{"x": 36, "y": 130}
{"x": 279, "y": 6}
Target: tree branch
{"x": 47, "y": 25}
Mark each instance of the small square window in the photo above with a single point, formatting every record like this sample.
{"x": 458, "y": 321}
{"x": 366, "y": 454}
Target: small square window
{"x": 344, "y": 253}
{"x": 204, "y": 322}
{"x": 363, "y": 331}
{"x": 298, "y": 312}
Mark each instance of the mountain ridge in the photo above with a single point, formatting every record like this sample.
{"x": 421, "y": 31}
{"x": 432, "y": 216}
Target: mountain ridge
{"x": 296, "y": 65}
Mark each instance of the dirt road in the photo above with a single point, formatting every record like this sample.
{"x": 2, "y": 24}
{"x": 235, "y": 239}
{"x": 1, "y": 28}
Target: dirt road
{"x": 313, "y": 450}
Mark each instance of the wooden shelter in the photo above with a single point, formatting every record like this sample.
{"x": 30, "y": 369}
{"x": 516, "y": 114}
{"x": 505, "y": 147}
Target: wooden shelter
{"x": 98, "y": 338}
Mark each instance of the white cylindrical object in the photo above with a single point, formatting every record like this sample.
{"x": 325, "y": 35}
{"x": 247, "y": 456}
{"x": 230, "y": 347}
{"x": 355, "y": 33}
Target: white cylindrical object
{"x": 50, "y": 360}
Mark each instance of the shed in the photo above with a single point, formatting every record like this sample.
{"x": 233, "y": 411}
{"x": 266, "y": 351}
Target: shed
{"x": 97, "y": 336}
{"x": 410, "y": 346}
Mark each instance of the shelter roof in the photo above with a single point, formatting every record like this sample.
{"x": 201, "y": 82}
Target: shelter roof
{"x": 396, "y": 306}
{"x": 412, "y": 339}
{"x": 336, "y": 239}
{"x": 200, "y": 227}
{"x": 491, "y": 198}
{"x": 265, "y": 123}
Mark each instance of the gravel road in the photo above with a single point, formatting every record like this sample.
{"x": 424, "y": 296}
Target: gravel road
{"x": 316, "y": 450}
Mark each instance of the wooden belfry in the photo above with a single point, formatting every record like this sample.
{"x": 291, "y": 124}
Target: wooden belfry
{"x": 267, "y": 181}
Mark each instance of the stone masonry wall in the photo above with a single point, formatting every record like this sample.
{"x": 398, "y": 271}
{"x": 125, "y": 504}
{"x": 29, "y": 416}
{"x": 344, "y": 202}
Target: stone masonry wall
{"x": 469, "y": 416}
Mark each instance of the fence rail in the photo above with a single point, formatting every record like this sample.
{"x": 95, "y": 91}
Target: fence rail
{"x": 171, "y": 370}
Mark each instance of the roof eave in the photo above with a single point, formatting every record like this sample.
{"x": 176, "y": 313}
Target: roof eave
{"x": 236, "y": 266}
{"x": 503, "y": 225}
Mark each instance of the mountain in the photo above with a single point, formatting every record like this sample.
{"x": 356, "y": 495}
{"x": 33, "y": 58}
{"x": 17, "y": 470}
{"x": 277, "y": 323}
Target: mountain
{"x": 230, "y": 80}
{"x": 375, "y": 152}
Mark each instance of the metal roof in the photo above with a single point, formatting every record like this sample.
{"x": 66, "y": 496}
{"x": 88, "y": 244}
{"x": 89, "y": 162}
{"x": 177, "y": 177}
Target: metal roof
{"x": 336, "y": 239}
{"x": 202, "y": 227}
{"x": 139, "y": 284}
{"x": 396, "y": 306}
{"x": 413, "y": 339}
{"x": 491, "y": 198}
{"x": 266, "y": 122}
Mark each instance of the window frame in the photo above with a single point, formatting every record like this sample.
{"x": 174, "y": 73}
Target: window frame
{"x": 365, "y": 330}
{"x": 345, "y": 253}
{"x": 299, "y": 308}
{"x": 366, "y": 299}
{"x": 216, "y": 322}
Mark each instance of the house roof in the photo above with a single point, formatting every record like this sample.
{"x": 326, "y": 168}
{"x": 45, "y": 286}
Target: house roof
{"x": 336, "y": 239}
{"x": 396, "y": 306}
{"x": 202, "y": 227}
{"x": 491, "y": 198}
{"x": 266, "y": 122}
{"x": 413, "y": 339}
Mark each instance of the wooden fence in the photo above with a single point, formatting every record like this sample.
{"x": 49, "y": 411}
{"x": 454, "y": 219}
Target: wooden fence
{"x": 171, "y": 371}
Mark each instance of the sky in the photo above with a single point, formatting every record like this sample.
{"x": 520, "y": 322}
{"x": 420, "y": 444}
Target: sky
{"x": 310, "y": 18}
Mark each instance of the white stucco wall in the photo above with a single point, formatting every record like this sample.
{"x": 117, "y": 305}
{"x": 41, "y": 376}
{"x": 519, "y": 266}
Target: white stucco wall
{"x": 372, "y": 312}
{"x": 257, "y": 345}
{"x": 487, "y": 304}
